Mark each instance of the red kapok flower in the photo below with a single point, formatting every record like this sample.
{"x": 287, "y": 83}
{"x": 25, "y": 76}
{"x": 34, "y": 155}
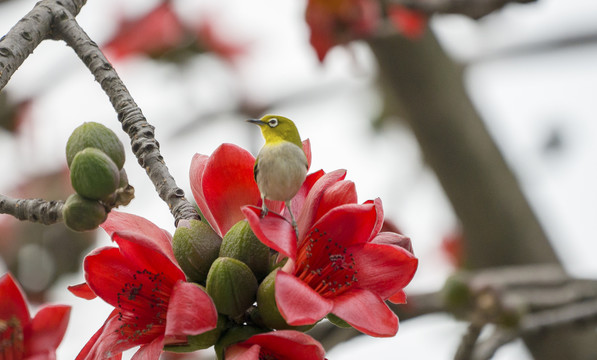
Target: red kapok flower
{"x": 223, "y": 182}
{"x": 336, "y": 22}
{"x": 282, "y": 344}
{"x": 342, "y": 263}
{"x": 156, "y": 32}
{"x": 22, "y": 337}
{"x": 153, "y": 304}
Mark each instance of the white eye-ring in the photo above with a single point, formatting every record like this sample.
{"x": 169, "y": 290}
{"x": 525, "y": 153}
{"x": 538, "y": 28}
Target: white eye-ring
{"x": 273, "y": 122}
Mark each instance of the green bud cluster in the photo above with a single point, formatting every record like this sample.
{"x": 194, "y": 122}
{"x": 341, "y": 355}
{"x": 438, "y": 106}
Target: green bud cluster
{"x": 95, "y": 157}
{"x": 239, "y": 275}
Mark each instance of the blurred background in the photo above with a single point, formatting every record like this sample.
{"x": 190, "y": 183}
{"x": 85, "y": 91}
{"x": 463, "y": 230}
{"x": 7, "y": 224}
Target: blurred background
{"x": 198, "y": 69}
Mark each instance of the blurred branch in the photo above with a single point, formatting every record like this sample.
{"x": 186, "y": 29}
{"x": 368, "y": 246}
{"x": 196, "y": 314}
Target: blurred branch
{"x": 541, "y": 298}
{"x": 517, "y": 300}
{"x": 30, "y": 31}
{"x": 472, "y": 8}
{"x": 34, "y": 210}
{"x": 498, "y": 224}
{"x": 143, "y": 142}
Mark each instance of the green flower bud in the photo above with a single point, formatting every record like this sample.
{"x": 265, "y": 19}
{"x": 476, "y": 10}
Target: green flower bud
{"x": 123, "y": 179}
{"x": 201, "y": 341}
{"x": 241, "y": 243}
{"x": 196, "y": 246}
{"x": 93, "y": 174}
{"x": 231, "y": 285}
{"x": 235, "y": 335}
{"x": 95, "y": 135}
{"x": 267, "y": 309}
{"x": 81, "y": 214}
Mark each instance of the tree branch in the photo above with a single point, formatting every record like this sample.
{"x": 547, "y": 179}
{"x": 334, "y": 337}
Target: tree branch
{"x": 35, "y": 210}
{"x": 30, "y": 31}
{"x": 143, "y": 142}
{"x": 472, "y": 8}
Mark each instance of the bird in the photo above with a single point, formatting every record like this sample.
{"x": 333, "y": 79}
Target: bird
{"x": 281, "y": 165}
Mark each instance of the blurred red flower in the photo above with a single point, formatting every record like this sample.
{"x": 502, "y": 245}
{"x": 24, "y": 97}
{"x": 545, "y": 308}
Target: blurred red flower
{"x": 337, "y": 22}
{"x": 23, "y": 337}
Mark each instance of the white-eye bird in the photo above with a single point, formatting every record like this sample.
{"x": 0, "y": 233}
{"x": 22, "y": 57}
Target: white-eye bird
{"x": 281, "y": 165}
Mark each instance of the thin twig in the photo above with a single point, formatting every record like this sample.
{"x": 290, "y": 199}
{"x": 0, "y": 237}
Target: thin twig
{"x": 143, "y": 142}
{"x": 35, "y": 210}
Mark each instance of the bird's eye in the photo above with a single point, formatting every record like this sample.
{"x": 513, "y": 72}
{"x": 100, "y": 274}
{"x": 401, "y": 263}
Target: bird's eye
{"x": 273, "y": 122}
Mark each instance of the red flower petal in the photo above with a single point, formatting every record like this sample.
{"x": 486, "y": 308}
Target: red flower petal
{"x": 307, "y": 151}
{"x": 190, "y": 311}
{"x": 106, "y": 343}
{"x": 237, "y": 352}
{"x": 299, "y": 199}
{"x": 394, "y": 239}
{"x": 398, "y": 298}
{"x": 151, "y": 351}
{"x": 196, "y": 177}
{"x": 383, "y": 269}
{"x": 83, "y": 291}
{"x": 307, "y": 216}
{"x": 273, "y": 230}
{"x": 297, "y": 302}
{"x": 46, "y": 330}
{"x": 380, "y": 217}
{"x": 228, "y": 184}
{"x": 341, "y": 193}
{"x": 120, "y": 221}
{"x": 12, "y": 301}
{"x": 366, "y": 312}
{"x": 288, "y": 344}
{"x": 348, "y": 224}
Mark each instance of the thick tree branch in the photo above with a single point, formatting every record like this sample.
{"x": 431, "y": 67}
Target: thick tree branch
{"x": 34, "y": 210}
{"x": 143, "y": 142}
{"x": 30, "y": 31}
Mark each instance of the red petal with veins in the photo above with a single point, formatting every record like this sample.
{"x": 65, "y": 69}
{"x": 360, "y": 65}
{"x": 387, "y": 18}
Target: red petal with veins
{"x": 46, "y": 330}
{"x": 297, "y": 302}
{"x": 286, "y": 344}
{"x": 341, "y": 193}
{"x": 238, "y": 352}
{"x": 190, "y": 311}
{"x": 226, "y": 184}
{"x": 299, "y": 199}
{"x": 12, "y": 301}
{"x": 104, "y": 340}
{"x": 307, "y": 216}
{"x": 120, "y": 221}
{"x": 347, "y": 224}
{"x": 83, "y": 291}
{"x": 273, "y": 230}
{"x": 366, "y": 312}
{"x": 383, "y": 269}
{"x": 151, "y": 351}
{"x": 146, "y": 254}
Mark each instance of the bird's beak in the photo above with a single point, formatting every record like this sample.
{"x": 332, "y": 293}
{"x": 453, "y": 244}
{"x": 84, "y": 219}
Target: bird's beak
{"x": 256, "y": 121}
